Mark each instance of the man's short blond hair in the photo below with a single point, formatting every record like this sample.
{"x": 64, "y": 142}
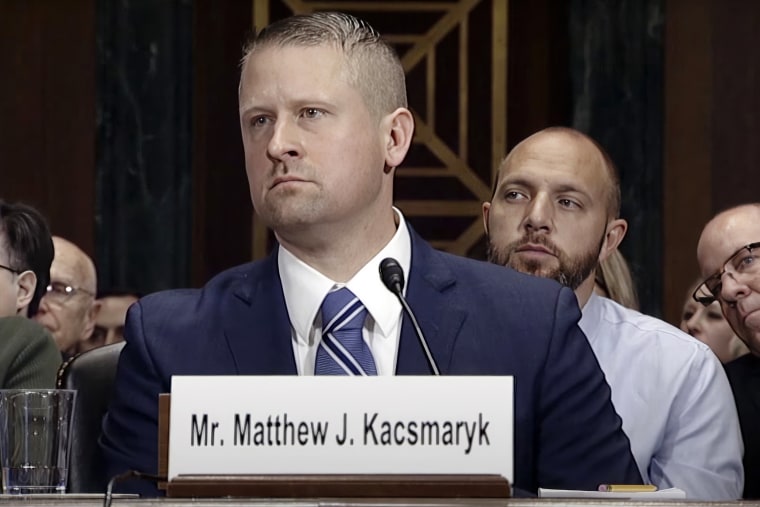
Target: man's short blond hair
{"x": 372, "y": 64}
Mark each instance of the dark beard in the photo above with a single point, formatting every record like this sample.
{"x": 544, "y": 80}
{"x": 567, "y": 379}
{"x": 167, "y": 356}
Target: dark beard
{"x": 570, "y": 272}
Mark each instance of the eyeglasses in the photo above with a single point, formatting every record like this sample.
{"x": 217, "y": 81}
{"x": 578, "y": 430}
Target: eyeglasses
{"x": 743, "y": 262}
{"x": 59, "y": 291}
{"x": 14, "y": 271}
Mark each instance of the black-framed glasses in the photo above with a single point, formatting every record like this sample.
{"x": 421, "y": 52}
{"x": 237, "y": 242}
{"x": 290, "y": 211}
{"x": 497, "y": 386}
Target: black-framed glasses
{"x": 8, "y": 268}
{"x": 744, "y": 261}
{"x": 59, "y": 291}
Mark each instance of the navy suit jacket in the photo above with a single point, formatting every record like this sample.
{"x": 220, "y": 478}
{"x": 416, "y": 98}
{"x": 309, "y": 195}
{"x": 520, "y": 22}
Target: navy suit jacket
{"x": 744, "y": 376}
{"x": 478, "y": 318}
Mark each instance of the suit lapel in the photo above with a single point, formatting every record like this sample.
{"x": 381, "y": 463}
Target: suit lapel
{"x": 257, "y": 326}
{"x": 256, "y": 323}
{"x": 428, "y": 294}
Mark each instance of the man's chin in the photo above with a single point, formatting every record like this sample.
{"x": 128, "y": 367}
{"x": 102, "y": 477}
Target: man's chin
{"x": 750, "y": 327}
{"x": 535, "y": 269}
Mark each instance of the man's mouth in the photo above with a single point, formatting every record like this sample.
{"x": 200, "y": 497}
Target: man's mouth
{"x": 747, "y": 313}
{"x": 285, "y": 179}
{"x": 534, "y": 248}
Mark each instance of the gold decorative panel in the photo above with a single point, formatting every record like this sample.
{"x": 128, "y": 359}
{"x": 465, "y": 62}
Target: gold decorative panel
{"x": 455, "y": 57}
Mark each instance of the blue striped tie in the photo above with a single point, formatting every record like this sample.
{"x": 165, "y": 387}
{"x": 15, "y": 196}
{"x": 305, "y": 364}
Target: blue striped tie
{"x": 342, "y": 350}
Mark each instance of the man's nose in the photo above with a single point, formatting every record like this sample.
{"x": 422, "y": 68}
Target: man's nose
{"x": 284, "y": 142}
{"x": 733, "y": 287}
{"x": 539, "y": 214}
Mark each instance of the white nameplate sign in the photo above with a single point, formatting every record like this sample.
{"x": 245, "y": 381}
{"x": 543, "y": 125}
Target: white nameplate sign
{"x": 341, "y": 425}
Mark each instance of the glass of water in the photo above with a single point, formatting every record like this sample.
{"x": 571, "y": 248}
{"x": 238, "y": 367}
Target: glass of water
{"x": 35, "y": 439}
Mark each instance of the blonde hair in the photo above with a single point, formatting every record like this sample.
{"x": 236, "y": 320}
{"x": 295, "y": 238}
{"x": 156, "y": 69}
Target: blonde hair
{"x": 373, "y": 66}
{"x": 614, "y": 277}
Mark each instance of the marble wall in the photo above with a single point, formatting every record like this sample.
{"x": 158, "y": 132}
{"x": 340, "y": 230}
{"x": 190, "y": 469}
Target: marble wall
{"x": 144, "y": 114}
{"x": 616, "y": 67}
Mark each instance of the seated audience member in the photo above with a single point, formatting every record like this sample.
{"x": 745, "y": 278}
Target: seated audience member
{"x": 26, "y": 251}
{"x": 109, "y": 322}
{"x": 68, "y": 309}
{"x": 555, "y": 214}
{"x": 29, "y": 358}
{"x": 325, "y": 123}
{"x": 729, "y": 260}
{"x": 613, "y": 280}
{"x": 28, "y": 355}
{"x": 708, "y": 325}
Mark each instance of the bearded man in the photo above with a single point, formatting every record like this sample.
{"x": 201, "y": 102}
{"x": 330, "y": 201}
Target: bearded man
{"x": 555, "y": 213}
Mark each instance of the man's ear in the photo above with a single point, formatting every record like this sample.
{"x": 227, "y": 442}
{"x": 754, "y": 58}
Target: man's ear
{"x": 27, "y": 282}
{"x": 90, "y": 318}
{"x": 399, "y": 130}
{"x": 486, "y": 209}
{"x": 616, "y": 230}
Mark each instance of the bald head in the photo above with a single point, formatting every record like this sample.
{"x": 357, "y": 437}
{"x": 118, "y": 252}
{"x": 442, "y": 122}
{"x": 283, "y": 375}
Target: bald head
{"x": 75, "y": 263}
{"x": 576, "y": 148}
{"x": 69, "y": 310}
{"x": 727, "y": 233}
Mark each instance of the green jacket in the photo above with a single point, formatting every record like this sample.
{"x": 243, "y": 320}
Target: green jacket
{"x": 29, "y": 357}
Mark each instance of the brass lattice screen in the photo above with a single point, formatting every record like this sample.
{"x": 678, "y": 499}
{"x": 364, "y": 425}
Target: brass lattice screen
{"x": 455, "y": 57}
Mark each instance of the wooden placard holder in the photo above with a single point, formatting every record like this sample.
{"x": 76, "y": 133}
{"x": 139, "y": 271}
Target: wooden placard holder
{"x": 320, "y": 486}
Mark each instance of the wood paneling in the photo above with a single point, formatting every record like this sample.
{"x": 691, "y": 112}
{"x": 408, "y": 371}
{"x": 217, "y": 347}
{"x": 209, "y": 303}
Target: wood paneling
{"x": 712, "y": 123}
{"x": 688, "y": 145}
{"x": 47, "y": 111}
{"x": 539, "y": 75}
{"x": 736, "y": 103}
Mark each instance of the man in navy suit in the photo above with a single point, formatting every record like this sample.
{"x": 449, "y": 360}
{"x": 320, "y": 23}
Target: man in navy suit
{"x": 324, "y": 121}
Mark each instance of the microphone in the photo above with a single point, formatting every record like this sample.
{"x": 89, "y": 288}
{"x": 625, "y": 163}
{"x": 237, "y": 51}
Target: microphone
{"x": 393, "y": 277}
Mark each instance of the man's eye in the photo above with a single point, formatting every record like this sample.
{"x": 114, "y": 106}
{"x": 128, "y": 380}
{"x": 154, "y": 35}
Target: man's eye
{"x": 312, "y": 113}
{"x": 747, "y": 261}
{"x": 513, "y": 195}
{"x": 258, "y": 121}
{"x": 568, "y": 203}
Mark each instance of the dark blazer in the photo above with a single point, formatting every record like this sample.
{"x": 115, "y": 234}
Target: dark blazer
{"x": 744, "y": 375}
{"x": 478, "y": 318}
{"x": 29, "y": 358}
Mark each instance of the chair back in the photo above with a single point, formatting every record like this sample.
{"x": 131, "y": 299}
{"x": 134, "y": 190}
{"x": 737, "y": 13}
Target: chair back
{"x": 92, "y": 375}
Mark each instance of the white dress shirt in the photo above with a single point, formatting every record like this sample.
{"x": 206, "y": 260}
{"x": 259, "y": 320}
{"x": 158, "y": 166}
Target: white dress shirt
{"x": 674, "y": 399}
{"x": 305, "y": 288}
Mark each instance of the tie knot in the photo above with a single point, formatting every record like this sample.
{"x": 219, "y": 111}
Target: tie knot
{"x": 342, "y": 350}
{"x": 341, "y": 309}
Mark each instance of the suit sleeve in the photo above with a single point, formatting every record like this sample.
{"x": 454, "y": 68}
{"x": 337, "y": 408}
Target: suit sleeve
{"x": 581, "y": 442}
{"x": 130, "y": 428}
{"x": 34, "y": 360}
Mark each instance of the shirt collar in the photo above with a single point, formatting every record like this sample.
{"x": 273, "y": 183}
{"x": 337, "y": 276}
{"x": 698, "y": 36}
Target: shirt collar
{"x": 591, "y": 315}
{"x": 305, "y": 288}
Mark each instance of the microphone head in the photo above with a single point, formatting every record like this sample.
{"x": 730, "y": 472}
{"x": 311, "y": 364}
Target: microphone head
{"x": 392, "y": 275}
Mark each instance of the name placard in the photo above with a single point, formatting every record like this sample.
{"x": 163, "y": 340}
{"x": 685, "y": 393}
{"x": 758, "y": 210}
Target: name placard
{"x": 341, "y": 425}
